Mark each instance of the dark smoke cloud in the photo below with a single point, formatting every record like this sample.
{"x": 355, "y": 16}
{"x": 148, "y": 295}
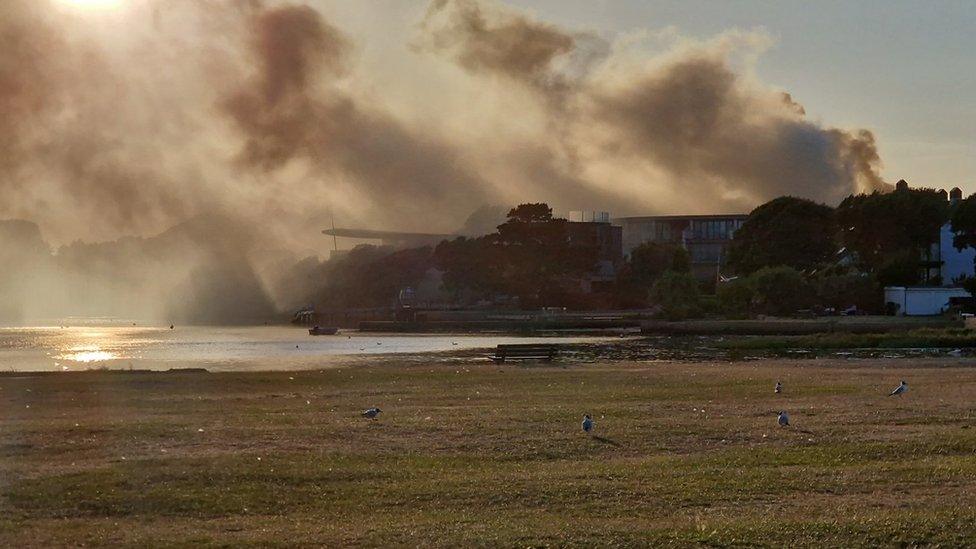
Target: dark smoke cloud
{"x": 693, "y": 117}
{"x": 28, "y": 74}
{"x": 98, "y": 143}
{"x": 506, "y": 44}
{"x": 197, "y": 108}
{"x": 486, "y": 39}
{"x": 293, "y": 109}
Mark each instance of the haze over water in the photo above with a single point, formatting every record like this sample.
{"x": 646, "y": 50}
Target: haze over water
{"x": 116, "y": 347}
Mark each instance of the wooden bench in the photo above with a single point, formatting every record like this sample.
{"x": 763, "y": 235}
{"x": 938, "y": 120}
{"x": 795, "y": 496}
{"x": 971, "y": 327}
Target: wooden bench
{"x": 524, "y": 351}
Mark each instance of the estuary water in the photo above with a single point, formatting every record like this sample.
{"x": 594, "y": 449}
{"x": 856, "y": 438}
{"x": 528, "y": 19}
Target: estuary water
{"x": 91, "y": 346}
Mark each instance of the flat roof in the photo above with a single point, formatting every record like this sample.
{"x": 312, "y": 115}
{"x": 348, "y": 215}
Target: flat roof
{"x": 384, "y": 235}
{"x": 680, "y": 217}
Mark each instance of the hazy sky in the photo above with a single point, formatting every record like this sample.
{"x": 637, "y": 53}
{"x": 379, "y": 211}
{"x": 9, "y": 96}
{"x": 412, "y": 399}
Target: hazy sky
{"x": 904, "y": 69}
{"x": 123, "y": 117}
{"x": 235, "y": 129}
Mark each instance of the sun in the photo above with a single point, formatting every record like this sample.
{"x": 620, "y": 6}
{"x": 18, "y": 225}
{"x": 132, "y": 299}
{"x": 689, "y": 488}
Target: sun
{"x": 93, "y": 4}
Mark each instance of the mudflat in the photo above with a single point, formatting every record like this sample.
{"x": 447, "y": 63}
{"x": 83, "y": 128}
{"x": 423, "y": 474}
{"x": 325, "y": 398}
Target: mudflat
{"x": 484, "y": 454}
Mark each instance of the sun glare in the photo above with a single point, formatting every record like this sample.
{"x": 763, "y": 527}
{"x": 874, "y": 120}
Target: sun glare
{"x": 93, "y": 4}
{"x": 89, "y": 356}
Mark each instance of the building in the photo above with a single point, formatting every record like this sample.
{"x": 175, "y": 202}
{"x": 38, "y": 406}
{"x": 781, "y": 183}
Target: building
{"x": 396, "y": 239}
{"x": 578, "y": 216}
{"x": 706, "y": 237}
{"x": 942, "y": 269}
{"x": 942, "y": 264}
{"x": 955, "y": 264}
{"x": 921, "y": 301}
{"x": 952, "y": 264}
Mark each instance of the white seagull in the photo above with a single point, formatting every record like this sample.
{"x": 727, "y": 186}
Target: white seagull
{"x": 587, "y": 423}
{"x": 372, "y": 413}
{"x": 784, "y": 419}
{"x": 899, "y": 389}
{"x": 779, "y": 387}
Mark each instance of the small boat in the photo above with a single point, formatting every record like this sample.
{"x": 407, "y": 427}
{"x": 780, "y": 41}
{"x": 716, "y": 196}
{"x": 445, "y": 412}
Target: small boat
{"x": 323, "y": 330}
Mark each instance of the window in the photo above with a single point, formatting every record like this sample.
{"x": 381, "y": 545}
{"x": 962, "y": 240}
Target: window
{"x": 714, "y": 229}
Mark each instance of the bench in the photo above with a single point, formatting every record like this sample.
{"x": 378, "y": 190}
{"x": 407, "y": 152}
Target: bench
{"x": 524, "y": 351}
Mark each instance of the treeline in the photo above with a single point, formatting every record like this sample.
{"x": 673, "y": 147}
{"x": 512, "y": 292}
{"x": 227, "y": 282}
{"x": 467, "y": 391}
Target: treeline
{"x": 530, "y": 261}
{"x": 789, "y": 255}
{"x": 792, "y": 253}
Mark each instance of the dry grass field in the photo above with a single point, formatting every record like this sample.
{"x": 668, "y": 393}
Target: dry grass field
{"x": 493, "y": 455}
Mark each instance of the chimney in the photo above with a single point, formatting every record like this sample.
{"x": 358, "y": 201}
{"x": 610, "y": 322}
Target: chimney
{"x": 955, "y": 195}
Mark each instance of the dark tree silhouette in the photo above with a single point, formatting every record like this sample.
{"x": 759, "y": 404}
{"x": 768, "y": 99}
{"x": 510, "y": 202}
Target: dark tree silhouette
{"x": 789, "y": 231}
{"x": 878, "y": 226}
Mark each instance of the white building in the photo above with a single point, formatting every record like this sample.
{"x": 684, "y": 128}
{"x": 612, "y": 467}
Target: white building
{"x": 955, "y": 264}
{"x": 921, "y": 301}
{"x": 944, "y": 265}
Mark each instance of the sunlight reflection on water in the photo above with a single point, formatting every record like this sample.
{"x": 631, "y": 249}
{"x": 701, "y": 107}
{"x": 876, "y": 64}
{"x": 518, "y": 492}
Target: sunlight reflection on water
{"x": 55, "y": 348}
{"x": 90, "y": 356}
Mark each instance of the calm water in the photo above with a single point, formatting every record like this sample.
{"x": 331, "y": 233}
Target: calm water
{"x": 232, "y": 348}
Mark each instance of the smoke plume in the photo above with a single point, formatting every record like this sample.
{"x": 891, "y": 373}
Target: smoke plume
{"x": 248, "y": 124}
{"x": 702, "y": 127}
{"x": 292, "y": 109}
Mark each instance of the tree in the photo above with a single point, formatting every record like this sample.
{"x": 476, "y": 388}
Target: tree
{"x": 650, "y": 260}
{"x": 735, "y": 298}
{"x": 677, "y": 295}
{"x": 470, "y": 265}
{"x": 540, "y": 263}
{"x": 370, "y": 276}
{"x": 530, "y": 213}
{"x": 842, "y": 290}
{"x": 964, "y": 229}
{"x": 790, "y": 231}
{"x": 530, "y": 256}
{"x": 879, "y": 225}
{"x": 645, "y": 265}
{"x": 964, "y": 223}
{"x": 781, "y": 290}
{"x": 25, "y": 260}
{"x": 900, "y": 269}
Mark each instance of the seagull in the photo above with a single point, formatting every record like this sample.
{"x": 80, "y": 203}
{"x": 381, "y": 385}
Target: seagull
{"x": 779, "y": 387}
{"x": 372, "y": 413}
{"x": 587, "y": 423}
{"x": 784, "y": 419}
{"x": 899, "y": 389}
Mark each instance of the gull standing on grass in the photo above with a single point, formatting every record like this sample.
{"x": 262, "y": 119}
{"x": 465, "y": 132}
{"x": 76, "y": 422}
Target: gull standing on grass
{"x": 779, "y": 387}
{"x": 372, "y": 413}
{"x": 899, "y": 389}
{"x": 587, "y": 423}
{"x": 784, "y": 419}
